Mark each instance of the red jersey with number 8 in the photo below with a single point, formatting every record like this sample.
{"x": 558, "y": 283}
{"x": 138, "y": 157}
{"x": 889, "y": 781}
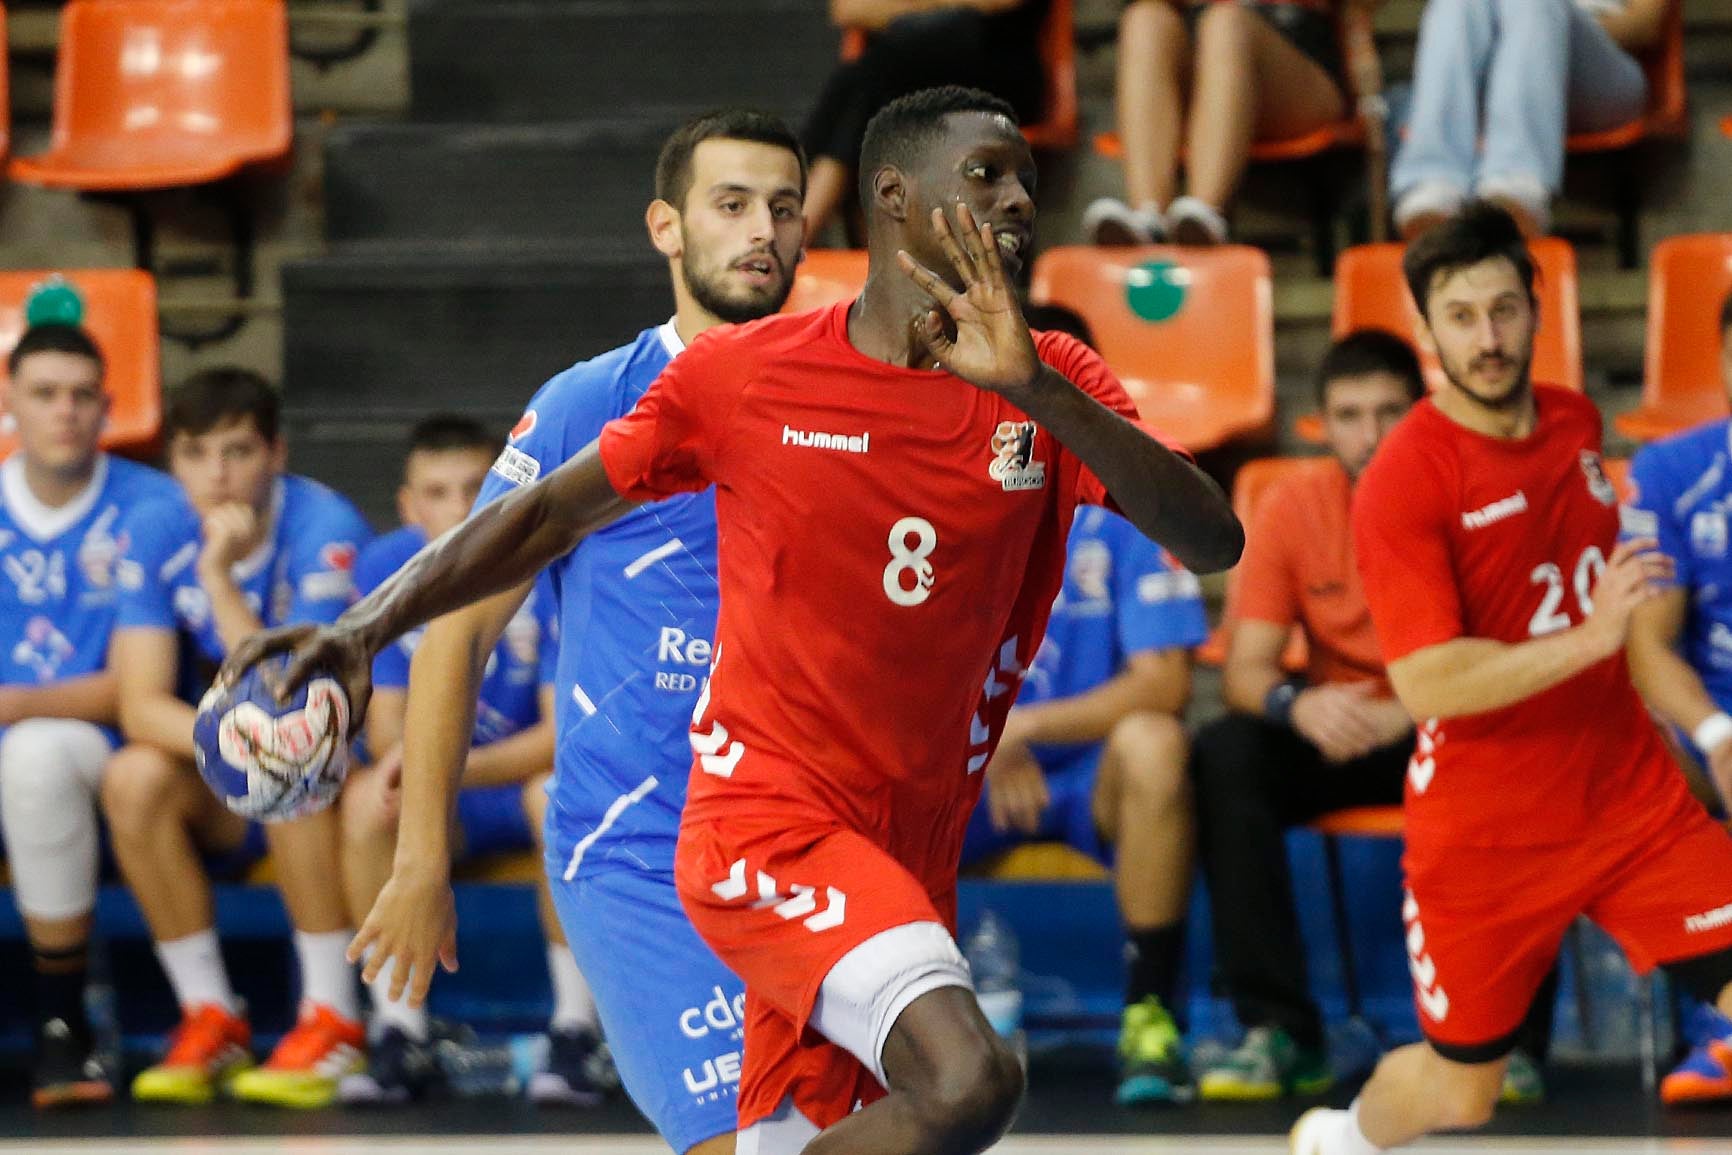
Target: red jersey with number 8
{"x": 1460, "y": 535}
{"x": 891, "y": 541}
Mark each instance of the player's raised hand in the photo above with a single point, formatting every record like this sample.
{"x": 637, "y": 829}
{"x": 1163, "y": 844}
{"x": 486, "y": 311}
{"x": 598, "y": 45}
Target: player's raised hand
{"x": 1636, "y": 572}
{"x": 333, "y": 648}
{"x": 977, "y": 333}
{"x": 412, "y": 926}
{"x": 228, "y": 534}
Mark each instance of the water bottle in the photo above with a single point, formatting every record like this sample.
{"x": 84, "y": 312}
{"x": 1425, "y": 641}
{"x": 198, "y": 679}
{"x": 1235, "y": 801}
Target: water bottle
{"x": 100, "y": 1008}
{"x": 993, "y": 960}
{"x": 474, "y": 1070}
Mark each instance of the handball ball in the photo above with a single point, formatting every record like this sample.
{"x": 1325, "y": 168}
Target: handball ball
{"x": 274, "y": 762}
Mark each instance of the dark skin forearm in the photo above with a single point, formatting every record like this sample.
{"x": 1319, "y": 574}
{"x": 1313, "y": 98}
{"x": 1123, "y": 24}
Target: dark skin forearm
{"x": 1173, "y": 502}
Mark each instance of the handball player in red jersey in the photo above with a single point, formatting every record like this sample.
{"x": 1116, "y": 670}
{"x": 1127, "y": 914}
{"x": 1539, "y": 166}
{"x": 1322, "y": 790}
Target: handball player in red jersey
{"x": 1485, "y": 532}
{"x": 895, "y": 480}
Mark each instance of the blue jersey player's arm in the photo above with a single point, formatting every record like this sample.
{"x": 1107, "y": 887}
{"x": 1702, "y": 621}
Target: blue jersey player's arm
{"x": 145, "y": 651}
{"x": 1668, "y": 683}
{"x": 1159, "y": 618}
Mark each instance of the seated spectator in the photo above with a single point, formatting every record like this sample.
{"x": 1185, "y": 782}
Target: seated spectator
{"x": 913, "y": 44}
{"x": 504, "y": 797}
{"x": 245, "y": 546}
{"x": 1497, "y": 87}
{"x": 1297, "y": 747}
{"x": 1680, "y": 653}
{"x": 62, "y": 503}
{"x": 1204, "y": 79}
{"x": 1093, "y": 754}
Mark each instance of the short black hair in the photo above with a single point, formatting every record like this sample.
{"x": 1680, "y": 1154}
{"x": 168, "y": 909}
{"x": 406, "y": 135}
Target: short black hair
{"x": 1367, "y": 351}
{"x": 51, "y": 338}
{"x": 444, "y": 432}
{"x": 902, "y": 130}
{"x": 213, "y": 397}
{"x": 674, "y": 165}
{"x": 1480, "y": 231}
{"x": 1058, "y": 319}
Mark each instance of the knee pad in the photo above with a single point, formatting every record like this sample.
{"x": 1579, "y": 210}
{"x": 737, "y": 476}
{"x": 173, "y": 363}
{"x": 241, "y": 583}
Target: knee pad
{"x": 864, "y": 993}
{"x": 50, "y": 773}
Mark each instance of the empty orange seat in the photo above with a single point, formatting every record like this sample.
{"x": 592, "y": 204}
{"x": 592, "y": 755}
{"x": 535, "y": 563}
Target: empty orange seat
{"x": 1363, "y": 822}
{"x": 1688, "y": 280}
{"x": 120, "y": 313}
{"x": 1190, "y": 332}
{"x": 1371, "y": 293}
{"x": 1618, "y": 473}
{"x": 155, "y": 94}
{"x": 1058, "y": 126}
{"x": 826, "y": 276}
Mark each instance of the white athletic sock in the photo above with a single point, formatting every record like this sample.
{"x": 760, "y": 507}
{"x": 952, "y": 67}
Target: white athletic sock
{"x": 389, "y": 1012}
{"x": 195, "y": 970}
{"x": 326, "y": 976}
{"x": 1351, "y": 1140}
{"x": 573, "y": 1005}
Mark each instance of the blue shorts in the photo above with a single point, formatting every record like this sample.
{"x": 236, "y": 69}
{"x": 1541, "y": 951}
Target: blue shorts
{"x": 1069, "y": 817}
{"x": 674, "y": 1016}
{"x": 492, "y": 820}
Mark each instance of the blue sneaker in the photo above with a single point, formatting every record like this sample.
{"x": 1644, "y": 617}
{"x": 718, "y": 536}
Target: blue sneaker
{"x": 1705, "y": 1075}
{"x": 578, "y": 1071}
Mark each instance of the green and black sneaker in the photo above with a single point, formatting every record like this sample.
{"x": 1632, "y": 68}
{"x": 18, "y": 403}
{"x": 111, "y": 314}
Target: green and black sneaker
{"x": 1267, "y": 1065}
{"x": 1152, "y": 1063}
{"x": 1524, "y": 1084}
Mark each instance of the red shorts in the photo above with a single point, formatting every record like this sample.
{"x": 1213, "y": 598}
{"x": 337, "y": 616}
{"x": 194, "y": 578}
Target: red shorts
{"x": 781, "y": 899}
{"x": 1484, "y": 925}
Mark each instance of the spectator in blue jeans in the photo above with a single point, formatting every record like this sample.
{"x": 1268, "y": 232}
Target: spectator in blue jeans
{"x": 1498, "y": 84}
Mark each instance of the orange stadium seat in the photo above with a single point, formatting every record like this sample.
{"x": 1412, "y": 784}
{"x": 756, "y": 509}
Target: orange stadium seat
{"x": 1726, "y": 126}
{"x": 826, "y": 276}
{"x": 1250, "y": 485}
{"x": 120, "y": 313}
{"x": 1370, "y": 292}
{"x": 1190, "y": 332}
{"x": 152, "y": 94}
{"x": 1357, "y": 822}
{"x": 1618, "y": 473}
{"x": 1667, "y": 117}
{"x": 1688, "y": 281}
{"x": 1058, "y": 128}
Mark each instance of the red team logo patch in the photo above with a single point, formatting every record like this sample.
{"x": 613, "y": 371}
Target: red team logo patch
{"x": 525, "y": 425}
{"x": 339, "y": 556}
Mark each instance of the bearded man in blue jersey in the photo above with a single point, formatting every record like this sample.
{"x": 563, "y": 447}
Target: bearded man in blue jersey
{"x": 637, "y": 611}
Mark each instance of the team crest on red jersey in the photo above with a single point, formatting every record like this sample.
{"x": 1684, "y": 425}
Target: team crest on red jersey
{"x": 1598, "y": 483}
{"x": 1013, "y": 465}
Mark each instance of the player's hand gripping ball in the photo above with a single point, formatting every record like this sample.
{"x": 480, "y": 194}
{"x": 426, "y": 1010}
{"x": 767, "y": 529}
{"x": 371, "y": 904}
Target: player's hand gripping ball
{"x": 274, "y": 762}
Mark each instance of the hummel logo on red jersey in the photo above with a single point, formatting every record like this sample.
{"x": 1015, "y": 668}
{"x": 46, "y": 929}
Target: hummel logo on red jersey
{"x": 841, "y": 442}
{"x": 1515, "y": 503}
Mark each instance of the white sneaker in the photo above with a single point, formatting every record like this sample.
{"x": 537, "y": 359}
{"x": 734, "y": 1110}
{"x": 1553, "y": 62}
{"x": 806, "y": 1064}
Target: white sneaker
{"x": 1523, "y": 196}
{"x": 1312, "y": 1131}
{"x": 1196, "y": 222}
{"x": 1110, "y": 221}
{"x": 1425, "y": 204}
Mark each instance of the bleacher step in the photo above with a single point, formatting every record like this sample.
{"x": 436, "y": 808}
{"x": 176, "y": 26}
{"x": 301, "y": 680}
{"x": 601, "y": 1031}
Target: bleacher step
{"x": 569, "y": 59}
{"x": 574, "y": 182}
{"x": 376, "y": 336}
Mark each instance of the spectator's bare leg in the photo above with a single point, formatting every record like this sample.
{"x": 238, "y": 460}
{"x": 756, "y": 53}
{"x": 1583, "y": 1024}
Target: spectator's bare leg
{"x": 828, "y": 184}
{"x": 307, "y": 857}
{"x": 1143, "y": 803}
{"x": 1154, "y": 60}
{"x": 1252, "y": 84}
{"x": 159, "y": 813}
{"x": 369, "y": 840}
{"x": 1415, "y": 1091}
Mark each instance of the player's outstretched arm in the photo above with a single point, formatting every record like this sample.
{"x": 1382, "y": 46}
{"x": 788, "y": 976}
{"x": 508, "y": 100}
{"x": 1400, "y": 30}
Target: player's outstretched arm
{"x": 500, "y": 546}
{"x": 413, "y": 923}
{"x": 1172, "y": 501}
{"x": 1475, "y": 675}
